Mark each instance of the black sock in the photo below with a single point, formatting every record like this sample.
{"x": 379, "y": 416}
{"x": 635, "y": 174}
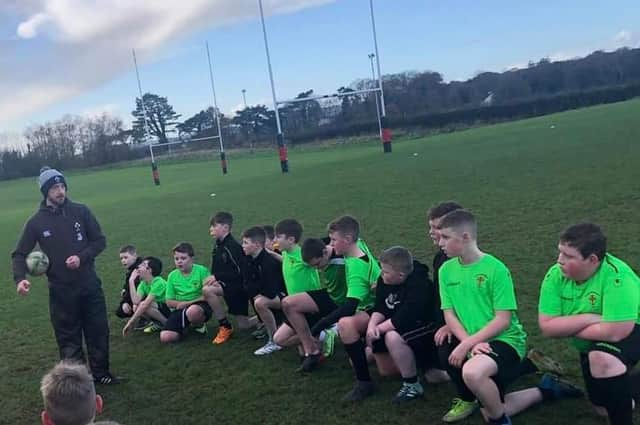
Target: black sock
{"x": 411, "y": 380}
{"x": 635, "y": 386}
{"x": 359, "y": 360}
{"x": 616, "y": 397}
{"x": 225, "y": 323}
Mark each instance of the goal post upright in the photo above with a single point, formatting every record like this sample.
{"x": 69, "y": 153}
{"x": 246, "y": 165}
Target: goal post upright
{"x": 385, "y": 133}
{"x": 216, "y": 114}
{"x": 282, "y": 146}
{"x": 154, "y": 167}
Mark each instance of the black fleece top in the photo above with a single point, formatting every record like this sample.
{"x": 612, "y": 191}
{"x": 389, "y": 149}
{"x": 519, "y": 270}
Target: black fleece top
{"x": 70, "y": 229}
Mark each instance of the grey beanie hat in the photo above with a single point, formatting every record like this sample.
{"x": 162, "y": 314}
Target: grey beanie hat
{"x": 49, "y": 177}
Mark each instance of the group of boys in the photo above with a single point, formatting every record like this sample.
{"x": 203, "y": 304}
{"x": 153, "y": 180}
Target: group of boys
{"x": 460, "y": 325}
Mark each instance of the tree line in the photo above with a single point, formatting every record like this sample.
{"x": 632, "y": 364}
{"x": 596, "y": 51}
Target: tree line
{"x": 412, "y": 99}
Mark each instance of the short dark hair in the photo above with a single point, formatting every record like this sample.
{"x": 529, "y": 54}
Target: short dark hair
{"x": 460, "y": 218}
{"x": 221, "y": 217}
{"x": 312, "y": 248}
{"x": 345, "y": 225}
{"x": 184, "y": 248}
{"x": 155, "y": 265}
{"x": 399, "y": 258}
{"x": 256, "y": 234}
{"x": 289, "y": 227}
{"x": 269, "y": 231}
{"x": 442, "y": 209}
{"x": 587, "y": 238}
{"x": 129, "y": 249}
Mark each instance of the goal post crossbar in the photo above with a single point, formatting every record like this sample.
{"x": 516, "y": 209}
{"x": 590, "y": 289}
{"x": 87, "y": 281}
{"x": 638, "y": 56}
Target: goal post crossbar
{"x": 182, "y": 142}
{"x": 327, "y": 96}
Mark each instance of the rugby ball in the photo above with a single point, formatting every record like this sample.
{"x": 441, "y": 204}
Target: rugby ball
{"x": 37, "y": 263}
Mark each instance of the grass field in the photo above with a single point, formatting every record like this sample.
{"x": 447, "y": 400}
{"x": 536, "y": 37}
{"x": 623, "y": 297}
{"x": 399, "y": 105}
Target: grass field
{"x": 524, "y": 180}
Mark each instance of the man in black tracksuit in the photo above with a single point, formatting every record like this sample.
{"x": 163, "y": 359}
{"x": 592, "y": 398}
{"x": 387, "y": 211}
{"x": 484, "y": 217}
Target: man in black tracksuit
{"x": 69, "y": 234}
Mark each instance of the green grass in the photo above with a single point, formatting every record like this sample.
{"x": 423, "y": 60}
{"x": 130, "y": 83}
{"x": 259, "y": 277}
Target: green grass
{"x": 524, "y": 180}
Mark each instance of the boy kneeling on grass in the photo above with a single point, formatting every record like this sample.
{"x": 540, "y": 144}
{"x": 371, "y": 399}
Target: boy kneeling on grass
{"x": 484, "y": 353}
{"x": 405, "y": 317}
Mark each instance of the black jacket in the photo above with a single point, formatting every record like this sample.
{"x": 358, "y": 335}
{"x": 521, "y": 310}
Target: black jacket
{"x": 438, "y": 260}
{"x": 228, "y": 261}
{"x": 70, "y": 229}
{"x": 264, "y": 276}
{"x": 412, "y": 304}
{"x": 126, "y": 295}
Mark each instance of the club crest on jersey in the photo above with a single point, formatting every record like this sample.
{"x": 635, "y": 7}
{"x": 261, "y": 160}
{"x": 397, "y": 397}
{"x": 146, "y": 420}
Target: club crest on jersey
{"x": 77, "y": 227}
{"x": 593, "y": 298}
{"x": 481, "y": 279}
{"x": 46, "y": 234}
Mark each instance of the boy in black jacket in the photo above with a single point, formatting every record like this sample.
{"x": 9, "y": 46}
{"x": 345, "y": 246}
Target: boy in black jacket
{"x": 130, "y": 261}
{"x": 403, "y": 321}
{"x": 264, "y": 283}
{"x": 227, "y": 264}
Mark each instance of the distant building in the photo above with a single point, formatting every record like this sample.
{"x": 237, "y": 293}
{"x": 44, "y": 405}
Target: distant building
{"x": 488, "y": 101}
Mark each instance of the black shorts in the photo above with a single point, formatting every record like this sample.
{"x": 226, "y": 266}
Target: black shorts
{"x": 323, "y": 301}
{"x": 120, "y": 312}
{"x": 236, "y": 298}
{"x": 178, "y": 320}
{"x": 627, "y": 351}
{"x": 164, "y": 309}
{"x": 508, "y": 361}
{"x": 505, "y": 356}
{"x": 421, "y": 342}
{"x": 325, "y": 306}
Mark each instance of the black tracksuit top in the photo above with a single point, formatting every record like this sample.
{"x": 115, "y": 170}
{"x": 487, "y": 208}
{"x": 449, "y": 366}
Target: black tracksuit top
{"x": 70, "y": 229}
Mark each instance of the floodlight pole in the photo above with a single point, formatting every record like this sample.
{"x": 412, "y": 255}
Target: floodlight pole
{"x": 154, "y": 167}
{"x": 386, "y": 135}
{"x": 216, "y": 114}
{"x": 244, "y": 98}
{"x": 373, "y": 79}
{"x": 282, "y": 147}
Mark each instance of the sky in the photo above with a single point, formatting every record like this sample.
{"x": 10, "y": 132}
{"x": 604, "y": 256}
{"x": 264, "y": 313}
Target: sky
{"x": 62, "y": 57}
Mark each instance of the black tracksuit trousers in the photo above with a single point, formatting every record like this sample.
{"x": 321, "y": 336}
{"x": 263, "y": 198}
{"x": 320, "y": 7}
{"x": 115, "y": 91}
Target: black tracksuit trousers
{"x": 79, "y": 310}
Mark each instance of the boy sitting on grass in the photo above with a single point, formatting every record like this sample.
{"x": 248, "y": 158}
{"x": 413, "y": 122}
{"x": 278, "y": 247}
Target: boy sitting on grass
{"x": 149, "y": 298}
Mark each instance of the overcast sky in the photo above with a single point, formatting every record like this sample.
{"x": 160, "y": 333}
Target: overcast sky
{"x": 74, "y": 56}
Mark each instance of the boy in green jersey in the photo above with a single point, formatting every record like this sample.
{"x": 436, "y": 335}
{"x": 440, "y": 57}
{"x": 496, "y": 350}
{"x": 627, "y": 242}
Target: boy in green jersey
{"x": 149, "y": 298}
{"x": 300, "y": 280}
{"x": 308, "y": 308}
{"x": 362, "y": 271}
{"x": 594, "y": 298}
{"x": 536, "y": 361}
{"x": 488, "y": 343}
{"x": 185, "y": 296}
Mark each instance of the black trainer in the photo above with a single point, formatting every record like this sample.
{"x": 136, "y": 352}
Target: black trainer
{"x": 107, "y": 379}
{"x": 310, "y": 362}
{"x": 360, "y": 391}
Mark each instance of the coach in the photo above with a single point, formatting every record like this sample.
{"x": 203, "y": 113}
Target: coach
{"x": 69, "y": 234}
